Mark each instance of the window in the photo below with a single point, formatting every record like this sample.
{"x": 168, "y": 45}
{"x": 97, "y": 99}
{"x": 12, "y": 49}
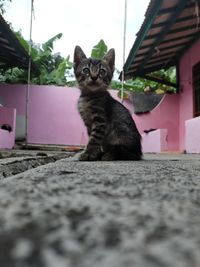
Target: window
{"x": 196, "y": 89}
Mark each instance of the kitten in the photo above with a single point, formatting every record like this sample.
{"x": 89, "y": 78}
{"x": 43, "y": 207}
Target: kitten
{"x": 112, "y": 132}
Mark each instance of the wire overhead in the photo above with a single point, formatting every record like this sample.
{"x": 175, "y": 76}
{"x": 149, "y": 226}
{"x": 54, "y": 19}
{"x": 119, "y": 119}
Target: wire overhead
{"x": 29, "y": 69}
{"x": 124, "y": 49}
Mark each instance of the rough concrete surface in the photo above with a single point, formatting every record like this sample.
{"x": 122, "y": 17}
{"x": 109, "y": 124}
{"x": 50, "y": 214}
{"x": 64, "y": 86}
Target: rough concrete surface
{"x": 16, "y": 161}
{"x": 103, "y": 214}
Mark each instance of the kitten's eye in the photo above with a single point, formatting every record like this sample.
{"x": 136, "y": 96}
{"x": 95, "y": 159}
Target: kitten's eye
{"x": 86, "y": 71}
{"x": 102, "y": 72}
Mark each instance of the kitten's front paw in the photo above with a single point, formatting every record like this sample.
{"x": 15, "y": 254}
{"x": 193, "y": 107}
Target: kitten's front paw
{"x": 90, "y": 155}
{"x": 84, "y": 156}
{"x": 107, "y": 157}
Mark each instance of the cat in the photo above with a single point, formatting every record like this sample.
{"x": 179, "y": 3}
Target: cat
{"x": 6, "y": 127}
{"x": 112, "y": 132}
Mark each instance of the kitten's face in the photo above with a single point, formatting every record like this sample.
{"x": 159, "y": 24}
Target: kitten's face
{"x": 93, "y": 75}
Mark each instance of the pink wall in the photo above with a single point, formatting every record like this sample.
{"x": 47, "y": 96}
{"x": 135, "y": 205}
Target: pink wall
{"x": 164, "y": 116}
{"x": 7, "y": 116}
{"x": 189, "y": 59}
{"x": 54, "y": 119}
{"x": 13, "y": 96}
{"x": 155, "y": 141}
{"x": 53, "y": 115}
{"x": 192, "y": 137}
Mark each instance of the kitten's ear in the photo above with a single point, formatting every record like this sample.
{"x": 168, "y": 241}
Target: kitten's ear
{"x": 78, "y": 56}
{"x": 110, "y": 58}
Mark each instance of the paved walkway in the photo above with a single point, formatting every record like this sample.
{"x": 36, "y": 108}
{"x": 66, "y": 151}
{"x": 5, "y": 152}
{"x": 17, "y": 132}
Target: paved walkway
{"x": 103, "y": 214}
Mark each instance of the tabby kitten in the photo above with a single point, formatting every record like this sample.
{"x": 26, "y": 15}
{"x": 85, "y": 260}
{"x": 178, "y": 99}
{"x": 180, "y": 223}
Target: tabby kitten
{"x": 112, "y": 132}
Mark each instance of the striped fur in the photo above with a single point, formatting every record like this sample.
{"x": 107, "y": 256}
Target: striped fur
{"x": 112, "y": 132}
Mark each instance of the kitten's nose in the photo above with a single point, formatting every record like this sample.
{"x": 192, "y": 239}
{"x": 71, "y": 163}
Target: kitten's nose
{"x": 94, "y": 78}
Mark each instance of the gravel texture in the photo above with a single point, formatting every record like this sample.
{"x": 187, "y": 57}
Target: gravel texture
{"x": 103, "y": 214}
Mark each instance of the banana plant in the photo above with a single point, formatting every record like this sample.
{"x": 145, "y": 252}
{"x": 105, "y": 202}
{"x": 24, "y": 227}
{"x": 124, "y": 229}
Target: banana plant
{"x": 99, "y": 50}
{"x": 53, "y": 68}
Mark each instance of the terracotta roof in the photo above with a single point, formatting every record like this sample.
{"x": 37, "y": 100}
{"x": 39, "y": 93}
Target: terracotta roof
{"x": 169, "y": 29}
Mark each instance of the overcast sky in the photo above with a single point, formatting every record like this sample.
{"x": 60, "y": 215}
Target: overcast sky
{"x": 82, "y": 23}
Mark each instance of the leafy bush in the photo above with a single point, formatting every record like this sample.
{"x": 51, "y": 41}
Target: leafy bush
{"x": 53, "y": 69}
{"x": 141, "y": 84}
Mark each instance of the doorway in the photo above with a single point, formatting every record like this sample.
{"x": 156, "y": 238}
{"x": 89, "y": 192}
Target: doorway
{"x": 196, "y": 89}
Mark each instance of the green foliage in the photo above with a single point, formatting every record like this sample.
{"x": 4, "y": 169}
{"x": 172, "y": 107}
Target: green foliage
{"x": 140, "y": 84}
{"x": 99, "y": 50}
{"x": 137, "y": 83}
{"x": 53, "y": 69}
{"x": 13, "y": 75}
{"x": 167, "y": 75}
{"x": 48, "y": 46}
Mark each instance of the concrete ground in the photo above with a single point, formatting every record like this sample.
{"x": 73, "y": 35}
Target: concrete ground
{"x": 101, "y": 214}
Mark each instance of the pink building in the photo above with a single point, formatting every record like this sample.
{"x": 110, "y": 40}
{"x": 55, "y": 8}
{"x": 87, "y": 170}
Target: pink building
{"x": 169, "y": 36}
